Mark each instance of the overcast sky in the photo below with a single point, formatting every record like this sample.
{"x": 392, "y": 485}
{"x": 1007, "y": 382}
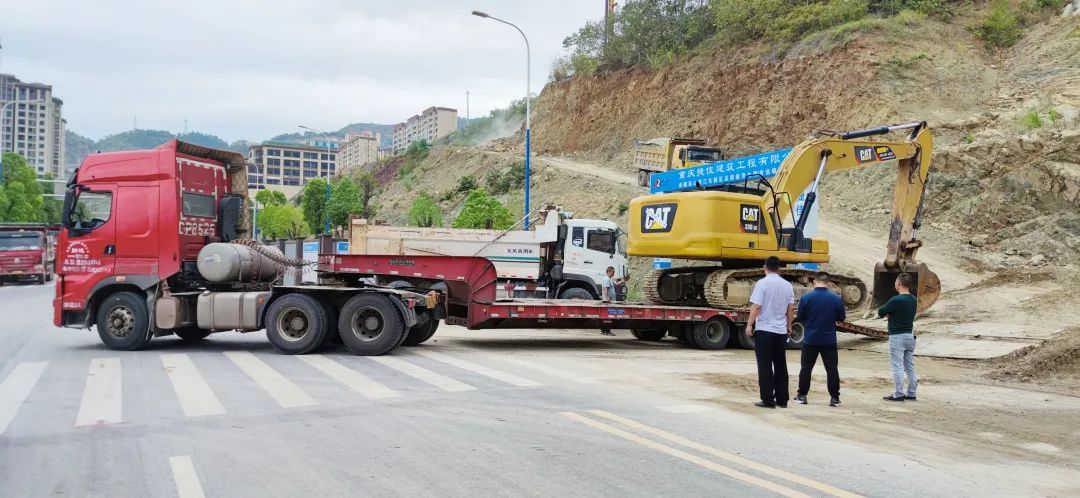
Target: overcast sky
{"x": 250, "y": 69}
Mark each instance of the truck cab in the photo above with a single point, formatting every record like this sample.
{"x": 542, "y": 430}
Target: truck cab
{"x": 665, "y": 154}
{"x": 134, "y": 223}
{"x": 590, "y": 248}
{"x": 26, "y": 253}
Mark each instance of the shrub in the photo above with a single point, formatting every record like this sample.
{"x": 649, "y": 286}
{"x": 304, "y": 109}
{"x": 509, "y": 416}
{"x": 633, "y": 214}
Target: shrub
{"x": 481, "y": 210}
{"x": 425, "y": 213}
{"x": 501, "y": 182}
{"x": 1002, "y": 27}
{"x": 808, "y": 18}
{"x": 1031, "y": 120}
{"x": 466, "y": 184}
{"x": 623, "y": 208}
{"x": 1053, "y": 115}
{"x": 969, "y": 138}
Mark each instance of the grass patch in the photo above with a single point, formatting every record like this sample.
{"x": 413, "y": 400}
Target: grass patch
{"x": 969, "y": 138}
{"x": 1031, "y": 120}
{"x": 1003, "y": 27}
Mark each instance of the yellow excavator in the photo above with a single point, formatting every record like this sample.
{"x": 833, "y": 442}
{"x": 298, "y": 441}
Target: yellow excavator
{"x": 737, "y": 226}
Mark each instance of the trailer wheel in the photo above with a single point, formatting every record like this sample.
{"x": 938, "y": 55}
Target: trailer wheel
{"x": 745, "y": 341}
{"x": 191, "y": 334}
{"x": 297, "y": 324}
{"x": 711, "y": 334}
{"x": 370, "y": 325}
{"x": 795, "y": 339}
{"x": 425, "y": 327}
{"x": 123, "y": 322}
{"x": 652, "y": 335}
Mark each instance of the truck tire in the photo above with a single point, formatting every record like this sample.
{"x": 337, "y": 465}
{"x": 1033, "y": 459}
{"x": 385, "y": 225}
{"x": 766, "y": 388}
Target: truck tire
{"x": 745, "y": 341}
{"x": 795, "y": 339}
{"x": 711, "y": 334}
{"x": 371, "y": 325}
{"x": 123, "y": 322}
{"x": 643, "y": 178}
{"x": 191, "y": 334}
{"x": 297, "y": 324}
{"x": 423, "y": 330}
{"x": 576, "y": 293}
{"x": 651, "y": 335}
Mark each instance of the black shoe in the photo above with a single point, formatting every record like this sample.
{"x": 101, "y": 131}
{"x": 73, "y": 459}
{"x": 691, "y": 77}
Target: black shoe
{"x": 894, "y": 397}
{"x": 834, "y": 401}
{"x": 607, "y": 333}
{"x": 762, "y": 404}
{"x": 782, "y": 405}
{"x": 910, "y": 398}
{"x": 800, "y": 399}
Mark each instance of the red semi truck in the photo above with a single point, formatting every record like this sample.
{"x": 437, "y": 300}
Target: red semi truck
{"x": 153, "y": 244}
{"x": 26, "y": 252}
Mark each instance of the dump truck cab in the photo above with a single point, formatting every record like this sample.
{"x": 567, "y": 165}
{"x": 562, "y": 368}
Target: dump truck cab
{"x": 664, "y": 154}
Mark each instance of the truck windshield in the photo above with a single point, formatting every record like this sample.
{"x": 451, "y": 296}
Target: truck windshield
{"x": 20, "y": 243}
{"x": 703, "y": 155}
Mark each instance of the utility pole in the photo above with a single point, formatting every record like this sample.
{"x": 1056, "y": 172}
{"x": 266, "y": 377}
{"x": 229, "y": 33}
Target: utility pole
{"x": 185, "y": 126}
{"x": 467, "y": 118}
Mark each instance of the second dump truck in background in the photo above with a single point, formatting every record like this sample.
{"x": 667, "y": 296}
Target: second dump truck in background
{"x": 664, "y": 154}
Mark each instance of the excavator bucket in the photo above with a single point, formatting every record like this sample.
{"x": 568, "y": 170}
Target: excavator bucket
{"x": 925, "y": 284}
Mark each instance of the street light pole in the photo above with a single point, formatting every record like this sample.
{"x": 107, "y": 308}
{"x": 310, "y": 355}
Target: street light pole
{"x": 528, "y": 107}
{"x": 326, "y": 206}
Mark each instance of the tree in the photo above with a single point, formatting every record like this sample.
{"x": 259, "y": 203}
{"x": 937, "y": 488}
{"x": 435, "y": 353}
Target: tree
{"x": 483, "y": 211}
{"x": 344, "y": 201}
{"x": 270, "y": 198}
{"x": 21, "y": 196}
{"x": 368, "y": 188}
{"x": 425, "y": 213}
{"x": 313, "y": 203}
{"x": 283, "y": 221}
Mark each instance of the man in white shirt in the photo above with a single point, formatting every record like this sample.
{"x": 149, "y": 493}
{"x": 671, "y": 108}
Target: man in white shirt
{"x": 771, "y": 312}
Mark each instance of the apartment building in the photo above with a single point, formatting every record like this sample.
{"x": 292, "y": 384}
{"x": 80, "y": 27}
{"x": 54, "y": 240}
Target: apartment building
{"x": 359, "y": 149}
{"x": 32, "y": 124}
{"x": 431, "y": 124}
{"x": 287, "y": 167}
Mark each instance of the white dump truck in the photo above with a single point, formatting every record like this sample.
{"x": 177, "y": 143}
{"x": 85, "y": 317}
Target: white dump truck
{"x": 582, "y": 249}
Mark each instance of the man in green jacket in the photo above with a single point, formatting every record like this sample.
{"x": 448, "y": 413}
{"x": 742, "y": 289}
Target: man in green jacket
{"x": 901, "y": 312}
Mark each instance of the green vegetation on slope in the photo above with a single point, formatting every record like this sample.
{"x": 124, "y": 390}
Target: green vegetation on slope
{"x": 497, "y": 124}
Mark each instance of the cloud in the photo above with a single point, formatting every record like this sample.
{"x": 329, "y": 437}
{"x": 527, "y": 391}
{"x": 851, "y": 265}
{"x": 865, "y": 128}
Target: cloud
{"x": 247, "y": 69}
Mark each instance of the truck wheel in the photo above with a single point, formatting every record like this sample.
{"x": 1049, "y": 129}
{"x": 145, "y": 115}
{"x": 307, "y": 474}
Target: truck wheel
{"x": 745, "y": 341}
{"x": 297, "y": 324}
{"x": 371, "y": 325}
{"x": 123, "y": 323}
{"x": 653, "y": 335}
{"x": 191, "y": 334}
{"x": 642, "y": 179}
{"x": 711, "y": 334}
{"x": 576, "y": 293}
{"x": 48, "y": 276}
{"x": 795, "y": 339}
{"x": 423, "y": 330}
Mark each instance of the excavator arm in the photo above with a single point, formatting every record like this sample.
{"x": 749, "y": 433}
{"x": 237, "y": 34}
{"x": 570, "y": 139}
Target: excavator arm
{"x": 809, "y": 161}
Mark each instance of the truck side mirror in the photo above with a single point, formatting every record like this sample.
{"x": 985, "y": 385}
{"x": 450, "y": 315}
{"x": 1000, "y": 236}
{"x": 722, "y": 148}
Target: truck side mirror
{"x": 69, "y": 204}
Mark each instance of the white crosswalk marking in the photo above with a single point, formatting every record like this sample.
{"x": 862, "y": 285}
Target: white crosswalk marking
{"x": 287, "y": 394}
{"x": 351, "y": 378}
{"x": 101, "y": 403}
{"x": 187, "y": 480}
{"x": 421, "y": 373}
{"x": 196, "y": 398}
{"x": 552, "y": 371}
{"x": 16, "y": 387}
{"x": 499, "y": 375}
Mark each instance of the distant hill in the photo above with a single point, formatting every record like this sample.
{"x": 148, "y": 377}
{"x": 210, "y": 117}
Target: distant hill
{"x": 77, "y": 146}
{"x": 385, "y": 132}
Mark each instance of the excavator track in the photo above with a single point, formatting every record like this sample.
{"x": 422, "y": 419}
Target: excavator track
{"x": 730, "y": 289}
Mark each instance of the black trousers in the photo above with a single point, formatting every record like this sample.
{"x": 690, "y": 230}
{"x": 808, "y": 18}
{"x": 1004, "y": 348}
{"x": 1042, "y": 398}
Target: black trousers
{"x": 770, "y": 350}
{"x": 809, "y": 359}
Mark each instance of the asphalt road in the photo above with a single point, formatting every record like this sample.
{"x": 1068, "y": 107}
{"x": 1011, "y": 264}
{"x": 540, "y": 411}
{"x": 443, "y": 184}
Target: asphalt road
{"x": 231, "y": 417}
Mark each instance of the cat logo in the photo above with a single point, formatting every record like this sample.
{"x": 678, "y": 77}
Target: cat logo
{"x": 864, "y": 154}
{"x": 658, "y": 217}
{"x": 749, "y": 218}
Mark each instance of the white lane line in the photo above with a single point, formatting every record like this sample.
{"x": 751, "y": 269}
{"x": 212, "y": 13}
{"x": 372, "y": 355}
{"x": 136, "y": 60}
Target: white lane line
{"x": 101, "y": 400}
{"x": 552, "y": 371}
{"x": 287, "y": 394}
{"x": 196, "y": 397}
{"x": 351, "y": 378}
{"x": 499, "y": 375}
{"x": 686, "y": 408}
{"x": 16, "y": 387}
{"x": 416, "y": 371}
{"x": 187, "y": 480}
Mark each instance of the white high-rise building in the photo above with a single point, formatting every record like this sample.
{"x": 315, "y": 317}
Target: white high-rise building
{"x": 33, "y": 124}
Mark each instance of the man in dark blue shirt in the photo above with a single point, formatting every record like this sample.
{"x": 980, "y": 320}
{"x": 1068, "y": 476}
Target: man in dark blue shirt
{"x": 819, "y": 310}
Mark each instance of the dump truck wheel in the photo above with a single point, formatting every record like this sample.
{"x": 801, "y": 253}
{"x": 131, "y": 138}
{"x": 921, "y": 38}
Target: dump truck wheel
{"x": 577, "y": 293}
{"x": 370, "y": 325}
{"x": 643, "y": 179}
{"x": 297, "y": 324}
{"x": 191, "y": 334}
{"x": 123, "y": 322}
{"x": 711, "y": 334}
{"x": 423, "y": 330}
{"x": 795, "y": 340}
{"x": 652, "y": 335}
